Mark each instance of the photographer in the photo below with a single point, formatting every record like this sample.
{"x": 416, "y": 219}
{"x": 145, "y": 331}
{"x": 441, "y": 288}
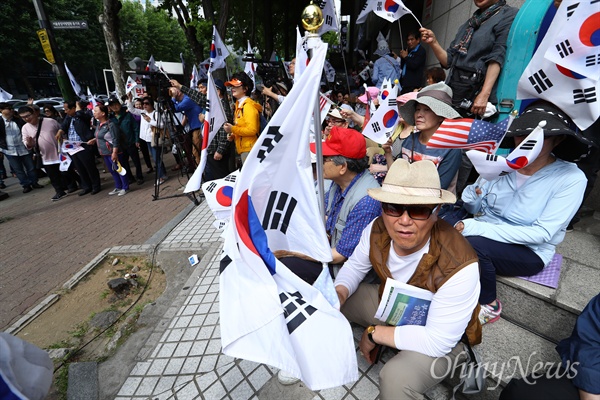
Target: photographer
{"x": 476, "y": 55}
{"x": 192, "y": 140}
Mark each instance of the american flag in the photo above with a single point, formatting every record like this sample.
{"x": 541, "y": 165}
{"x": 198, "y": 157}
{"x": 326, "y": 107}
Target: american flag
{"x": 468, "y": 133}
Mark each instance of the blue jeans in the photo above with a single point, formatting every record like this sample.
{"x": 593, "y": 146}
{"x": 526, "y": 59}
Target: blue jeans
{"x": 24, "y": 168}
{"x": 160, "y": 166}
{"x": 121, "y": 181}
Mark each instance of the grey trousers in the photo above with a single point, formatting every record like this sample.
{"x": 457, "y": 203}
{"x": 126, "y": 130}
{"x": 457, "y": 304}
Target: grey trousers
{"x": 408, "y": 374}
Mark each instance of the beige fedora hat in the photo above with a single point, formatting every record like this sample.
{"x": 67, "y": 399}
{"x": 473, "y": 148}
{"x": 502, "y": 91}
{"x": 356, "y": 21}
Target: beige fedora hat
{"x": 438, "y": 97}
{"x": 416, "y": 183}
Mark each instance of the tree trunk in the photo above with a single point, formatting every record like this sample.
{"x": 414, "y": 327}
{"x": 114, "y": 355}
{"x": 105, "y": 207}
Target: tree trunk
{"x": 268, "y": 29}
{"x": 109, "y": 20}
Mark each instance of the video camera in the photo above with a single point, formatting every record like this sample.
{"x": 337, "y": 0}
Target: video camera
{"x": 270, "y": 72}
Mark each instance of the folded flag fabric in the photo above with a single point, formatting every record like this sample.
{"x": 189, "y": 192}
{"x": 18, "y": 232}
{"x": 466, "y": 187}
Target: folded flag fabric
{"x": 468, "y": 133}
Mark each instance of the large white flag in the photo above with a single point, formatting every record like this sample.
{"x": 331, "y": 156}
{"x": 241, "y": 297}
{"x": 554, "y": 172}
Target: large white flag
{"x": 194, "y": 78}
{"x": 491, "y": 166}
{"x": 330, "y": 22}
{"x": 301, "y": 55}
{"x": 543, "y": 79}
{"x": 91, "y": 97}
{"x": 390, "y": 10}
{"x": 250, "y": 67}
{"x": 218, "y": 51}
{"x": 364, "y": 13}
{"x": 130, "y": 84}
{"x": 203, "y": 69}
{"x": 576, "y": 46}
{"x": 151, "y": 65}
{"x": 385, "y": 118}
{"x": 267, "y": 313}
{"x": 4, "y": 95}
{"x": 214, "y": 118}
{"x": 74, "y": 84}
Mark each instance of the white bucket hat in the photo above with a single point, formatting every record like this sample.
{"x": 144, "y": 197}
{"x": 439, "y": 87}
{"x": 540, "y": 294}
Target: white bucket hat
{"x": 416, "y": 183}
{"x": 438, "y": 97}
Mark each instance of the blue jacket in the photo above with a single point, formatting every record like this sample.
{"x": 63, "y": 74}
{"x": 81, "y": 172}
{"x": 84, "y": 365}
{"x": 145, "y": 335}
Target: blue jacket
{"x": 385, "y": 67}
{"x": 191, "y": 111}
{"x": 534, "y": 215}
{"x": 583, "y": 347}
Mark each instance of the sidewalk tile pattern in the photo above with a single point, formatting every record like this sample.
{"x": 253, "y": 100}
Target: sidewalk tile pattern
{"x": 187, "y": 362}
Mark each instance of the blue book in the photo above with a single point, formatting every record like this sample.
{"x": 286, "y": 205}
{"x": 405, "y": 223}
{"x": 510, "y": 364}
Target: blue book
{"x": 403, "y": 304}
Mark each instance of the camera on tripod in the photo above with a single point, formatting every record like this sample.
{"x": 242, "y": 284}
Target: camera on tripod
{"x": 270, "y": 72}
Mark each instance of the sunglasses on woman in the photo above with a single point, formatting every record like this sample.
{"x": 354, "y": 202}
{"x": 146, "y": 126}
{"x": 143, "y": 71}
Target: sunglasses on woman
{"x": 418, "y": 213}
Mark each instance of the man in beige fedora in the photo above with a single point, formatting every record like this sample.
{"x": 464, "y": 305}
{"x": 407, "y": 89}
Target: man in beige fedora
{"x": 410, "y": 244}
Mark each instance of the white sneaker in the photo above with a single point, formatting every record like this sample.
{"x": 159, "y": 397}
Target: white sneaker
{"x": 285, "y": 378}
{"x": 122, "y": 192}
{"x": 114, "y": 191}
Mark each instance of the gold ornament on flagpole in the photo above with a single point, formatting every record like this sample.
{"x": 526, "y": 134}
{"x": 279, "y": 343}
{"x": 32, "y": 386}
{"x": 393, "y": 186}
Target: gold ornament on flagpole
{"x": 312, "y": 18}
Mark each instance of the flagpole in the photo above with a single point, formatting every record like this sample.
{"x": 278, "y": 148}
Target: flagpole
{"x": 401, "y": 37}
{"x": 312, "y": 20}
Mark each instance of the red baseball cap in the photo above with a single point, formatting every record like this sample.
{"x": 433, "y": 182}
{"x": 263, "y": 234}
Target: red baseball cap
{"x": 343, "y": 142}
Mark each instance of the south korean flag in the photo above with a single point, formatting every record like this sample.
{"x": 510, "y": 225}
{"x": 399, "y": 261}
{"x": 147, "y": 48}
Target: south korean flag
{"x": 330, "y": 22}
{"x": 575, "y": 94}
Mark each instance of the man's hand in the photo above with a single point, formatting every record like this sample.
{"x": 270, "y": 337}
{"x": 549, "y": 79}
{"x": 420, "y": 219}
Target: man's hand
{"x": 174, "y": 83}
{"x": 479, "y": 104}
{"x": 403, "y": 53}
{"x": 366, "y": 346}
{"x": 460, "y": 226}
{"x": 201, "y": 118}
{"x": 427, "y": 36}
{"x": 227, "y": 127}
{"x": 59, "y": 135}
{"x": 342, "y": 292}
{"x": 218, "y": 156}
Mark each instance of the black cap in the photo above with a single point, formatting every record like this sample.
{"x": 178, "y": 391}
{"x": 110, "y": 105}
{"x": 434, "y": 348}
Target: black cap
{"x": 113, "y": 100}
{"x": 4, "y": 106}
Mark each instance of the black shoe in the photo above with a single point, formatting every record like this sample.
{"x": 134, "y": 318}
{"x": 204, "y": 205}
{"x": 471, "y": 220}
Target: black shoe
{"x": 96, "y": 191}
{"x": 27, "y": 189}
{"x": 59, "y": 196}
{"x": 73, "y": 190}
{"x": 85, "y": 191}
{"x": 570, "y": 227}
{"x": 2, "y": 186}
{"x": 150, "y": 171}
{"x": 140, "y": 181}
{"x": 3, "y": 196}
{"x": 37, "y": 186}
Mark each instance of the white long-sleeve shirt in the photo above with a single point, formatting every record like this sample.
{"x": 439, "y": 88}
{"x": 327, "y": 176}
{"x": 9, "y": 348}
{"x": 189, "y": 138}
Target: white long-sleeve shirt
{"x": 450, "y": 310}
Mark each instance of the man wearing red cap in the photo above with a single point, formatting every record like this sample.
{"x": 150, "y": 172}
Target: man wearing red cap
{"x": 348, "y": 208}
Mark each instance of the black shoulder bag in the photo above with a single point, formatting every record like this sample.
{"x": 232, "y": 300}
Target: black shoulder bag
{"x": 39, "y": 163}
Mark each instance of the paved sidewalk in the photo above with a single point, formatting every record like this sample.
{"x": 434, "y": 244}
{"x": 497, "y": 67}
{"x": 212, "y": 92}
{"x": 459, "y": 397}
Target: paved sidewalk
{"x": 187, "y": 362}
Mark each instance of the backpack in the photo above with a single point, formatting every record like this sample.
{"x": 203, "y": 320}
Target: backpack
{"x": 263, "y": 123}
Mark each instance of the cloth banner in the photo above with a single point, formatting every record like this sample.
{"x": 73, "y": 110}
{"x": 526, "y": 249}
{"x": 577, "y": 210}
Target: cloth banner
{"x": 469, "y": 133}
{"x": 218, "y": 52}
{"x": 268, "y": 314}
{"x": 330, "y": 22}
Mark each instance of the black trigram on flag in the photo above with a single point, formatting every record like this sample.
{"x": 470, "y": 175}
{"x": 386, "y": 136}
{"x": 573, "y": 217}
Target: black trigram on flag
{"x": 328, "y": 20}
{"x": 211, "y": 187}
{"x": 392, "y": 102}
{"x": 271, "y": 138}
{"x": 296, "y": 311}
{"x": 212, "y": 124}
{"x": 491, "y": 157}
{"x": 365, "y": 6}
{"x": 376, "y": 127}
{"x": 592, "y": 60}
{"x": 225, "y": 261}
{"x": 207, "y": 105}
{"x": 584, "y": 95}
{"x": 564, "y": 49}
{"x": 379, "y": 5}
{"x": 279, "y": 211}
{"x": 528, "y": 145}
{"x": 504, "y": 173}
{"x": 219, "y": 52}
{"x": 540, "y": 81}
{"x": 230, "y": 178}
{"x": 322, "y": 4}
{"x": 571, "y": 9}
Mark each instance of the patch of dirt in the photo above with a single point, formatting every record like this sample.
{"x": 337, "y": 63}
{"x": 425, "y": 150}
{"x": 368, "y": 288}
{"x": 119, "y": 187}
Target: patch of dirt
{"x": 66, "y": 323}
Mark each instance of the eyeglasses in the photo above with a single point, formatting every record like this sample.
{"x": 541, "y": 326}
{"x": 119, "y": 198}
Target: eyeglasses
{"x": 26, "y": 116}
{"x": 418, "y": 213}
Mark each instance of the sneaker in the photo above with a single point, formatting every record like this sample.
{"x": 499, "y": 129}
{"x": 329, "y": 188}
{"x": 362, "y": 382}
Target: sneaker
{"x": 489, "y": 313}
{"x": 570, "y": 227}
{"x": 59, "y": 196}
{"x": 72, "y": 190}
{"x": 114, "y": 191}
{"x": 37, "y": 186}
{"x": 27, "y": 189}
{"x": 122, "y": 192}
{"x": 161, "y": 181}
{"x": 140, "y": 181}
{"x": 285, "y": 378}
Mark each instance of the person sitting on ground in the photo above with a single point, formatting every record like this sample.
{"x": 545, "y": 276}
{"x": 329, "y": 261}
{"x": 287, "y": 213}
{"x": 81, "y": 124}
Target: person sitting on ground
{"x": 578, "y": 378}
{"x": 521, "y": 217}
{"x": 246, "y": 128}
{"x": 426, "y": 113}
{"x": 410, "y": 244}
{"x": 108, "y": 139}
{"x": 348, "y": 209}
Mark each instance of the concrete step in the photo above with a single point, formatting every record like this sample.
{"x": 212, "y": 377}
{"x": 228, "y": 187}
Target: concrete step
{"x": 552, "y": 312}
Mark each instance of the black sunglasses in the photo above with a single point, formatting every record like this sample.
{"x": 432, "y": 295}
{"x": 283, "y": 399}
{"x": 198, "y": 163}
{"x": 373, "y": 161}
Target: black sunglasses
{"x": 418, "y": 213}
